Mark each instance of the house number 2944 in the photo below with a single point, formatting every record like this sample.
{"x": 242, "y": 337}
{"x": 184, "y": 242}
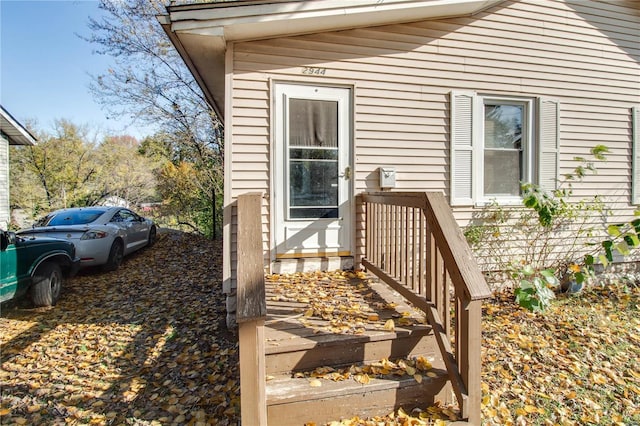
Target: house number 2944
{"x": 314, "y": 71}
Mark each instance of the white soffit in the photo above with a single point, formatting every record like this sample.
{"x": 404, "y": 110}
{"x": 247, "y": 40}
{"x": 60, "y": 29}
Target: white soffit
{"x": 238, "y": 21}
{"x": 200, "y": 31}
{"x": 14, "y": 131}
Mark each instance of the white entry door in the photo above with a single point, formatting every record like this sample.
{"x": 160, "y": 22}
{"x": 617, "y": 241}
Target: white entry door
{"x": 312, "y": 173}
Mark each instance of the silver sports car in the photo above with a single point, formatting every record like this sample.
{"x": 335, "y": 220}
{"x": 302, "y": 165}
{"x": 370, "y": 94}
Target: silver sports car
{"x": 102, "y": 235}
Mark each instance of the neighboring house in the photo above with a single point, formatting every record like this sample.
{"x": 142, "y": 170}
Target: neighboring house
{"x": 115, "y": 201}
{"x": 467, "y": 97}
{"x": 11, "y": 133}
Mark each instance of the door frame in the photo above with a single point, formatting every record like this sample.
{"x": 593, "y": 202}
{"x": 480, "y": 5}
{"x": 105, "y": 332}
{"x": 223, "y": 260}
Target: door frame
{"x": 347, "y": 222}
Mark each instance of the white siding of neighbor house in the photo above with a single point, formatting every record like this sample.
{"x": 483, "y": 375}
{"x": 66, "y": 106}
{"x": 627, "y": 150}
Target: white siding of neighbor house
{"x": 4, "y": 183}
{"x": 584, "y": 54}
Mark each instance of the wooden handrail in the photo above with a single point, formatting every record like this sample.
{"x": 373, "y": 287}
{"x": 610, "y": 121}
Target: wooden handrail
{"x": 414, "y": 244}
{"x": 448, "y": 234}
{"x": 251, "y": 310}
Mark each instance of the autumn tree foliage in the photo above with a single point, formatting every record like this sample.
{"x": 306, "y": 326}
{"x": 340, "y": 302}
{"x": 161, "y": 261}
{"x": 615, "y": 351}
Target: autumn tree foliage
{"x": 149, "y": 82}
{"x": 70, "y": 168}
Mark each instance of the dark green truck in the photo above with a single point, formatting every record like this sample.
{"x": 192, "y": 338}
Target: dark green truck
{"x": 36, "y": 266}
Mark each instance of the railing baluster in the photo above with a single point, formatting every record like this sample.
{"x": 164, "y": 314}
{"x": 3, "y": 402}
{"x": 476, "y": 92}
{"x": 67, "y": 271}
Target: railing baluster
{"x": 428, "y": 259}
{"x": 422, "y": 256}
{"x": 367, "y": 233}
{"x": 396, "y": 228}
{"x": 405, "y": 256}
{"x": 446, "y": 302}
{"x": 375, "y": 226}
{"x": 400, "y": 248}
{"x": 371, "y": 232}
{"x": 440, "y": 282}
{"x": 412, "y": 256}
{"x": 383, "y": 235}
{"x": 432, "y": 280}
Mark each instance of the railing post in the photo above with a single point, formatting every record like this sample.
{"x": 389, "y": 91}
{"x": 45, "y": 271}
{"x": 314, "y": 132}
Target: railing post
{"x": 469, "y": 336}
{"x": 251, "y": 311}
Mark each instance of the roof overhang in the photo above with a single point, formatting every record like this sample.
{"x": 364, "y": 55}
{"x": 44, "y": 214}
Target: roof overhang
{"x": 14, "y": 131}
{"x": 200, "y": 32}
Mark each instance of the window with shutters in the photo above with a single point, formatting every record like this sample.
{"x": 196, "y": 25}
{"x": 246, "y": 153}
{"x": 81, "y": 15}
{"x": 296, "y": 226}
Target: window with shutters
{"x": 499, "y": 142}
{"x": 505, "y": 144}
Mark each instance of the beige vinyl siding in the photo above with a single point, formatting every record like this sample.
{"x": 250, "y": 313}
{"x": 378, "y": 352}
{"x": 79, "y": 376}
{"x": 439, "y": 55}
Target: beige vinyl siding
{"x": 4, "y": 183}
{"x": 635, "y": 155}
{"x": 583, "y": 54}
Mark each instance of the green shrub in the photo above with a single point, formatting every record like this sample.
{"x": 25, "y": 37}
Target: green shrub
{"x": 523, "y": 240}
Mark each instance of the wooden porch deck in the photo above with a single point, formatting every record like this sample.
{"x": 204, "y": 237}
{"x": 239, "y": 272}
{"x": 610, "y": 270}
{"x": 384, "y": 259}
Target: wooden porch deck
{"x": 342, "y": 345}
{"x": 306, "y": 310}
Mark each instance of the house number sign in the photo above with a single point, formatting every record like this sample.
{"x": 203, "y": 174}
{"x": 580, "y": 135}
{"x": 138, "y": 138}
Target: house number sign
{"x": 314, "y": 71}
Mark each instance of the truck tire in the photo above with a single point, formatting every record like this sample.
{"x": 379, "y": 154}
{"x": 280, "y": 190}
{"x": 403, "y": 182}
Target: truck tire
{"x": 116, "y": 254}
{"x": 152, "y": 236}
{"x": 46, "y": 284}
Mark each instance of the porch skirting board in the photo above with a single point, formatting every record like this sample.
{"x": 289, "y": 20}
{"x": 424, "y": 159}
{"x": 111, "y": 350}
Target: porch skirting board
{"x": 308, "y": 264}
{"x": 231, "y": 307}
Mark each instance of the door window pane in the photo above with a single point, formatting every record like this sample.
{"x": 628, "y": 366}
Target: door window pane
{"x": 313, "y": 159}
{"x": 313, "y": 123}
{"x": 314, "y": 183}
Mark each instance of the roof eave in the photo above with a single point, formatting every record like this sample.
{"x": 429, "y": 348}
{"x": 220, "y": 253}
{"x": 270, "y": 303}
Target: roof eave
{"x": 200, "y": 32}
{"x": 14, "y": 131}
{"x": 252, "y": 20}
{"x": 175, "y": 40}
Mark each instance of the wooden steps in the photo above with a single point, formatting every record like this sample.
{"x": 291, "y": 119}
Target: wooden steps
{"x": 306, "y": 352}
{"x": 297, "y": 344}
{"x": 413, "y": 244}
{"x": 295, "y": 402}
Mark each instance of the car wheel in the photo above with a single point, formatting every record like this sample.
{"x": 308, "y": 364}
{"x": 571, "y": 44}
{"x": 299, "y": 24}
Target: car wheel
{"x": 152, "y": 236}
{"x": 115, "y": 256}
{"x": 46, "y": 284}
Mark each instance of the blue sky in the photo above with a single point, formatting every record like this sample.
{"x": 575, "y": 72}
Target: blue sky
{"x": 45, "y": 66}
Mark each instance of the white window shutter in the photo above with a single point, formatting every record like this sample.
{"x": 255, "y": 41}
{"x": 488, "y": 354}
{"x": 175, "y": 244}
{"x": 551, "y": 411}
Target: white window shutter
{"x": 635, "y": 165}
{"x": 548, "y": 143}
{"x": 462, "y": 148}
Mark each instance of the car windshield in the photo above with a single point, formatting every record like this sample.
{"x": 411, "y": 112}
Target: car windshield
{"x": 78, "y": 217}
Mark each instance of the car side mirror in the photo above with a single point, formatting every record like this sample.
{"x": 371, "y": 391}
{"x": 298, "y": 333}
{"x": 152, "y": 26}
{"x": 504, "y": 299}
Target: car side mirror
{"x": 7, "y": 238}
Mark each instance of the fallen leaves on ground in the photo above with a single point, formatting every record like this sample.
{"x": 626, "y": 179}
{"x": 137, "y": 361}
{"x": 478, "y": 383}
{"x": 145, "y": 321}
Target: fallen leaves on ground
{"x": 145, "y": 345}
{"x": 576, "y": 364}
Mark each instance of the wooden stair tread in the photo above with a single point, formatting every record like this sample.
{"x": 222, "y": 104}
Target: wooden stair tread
{"x": 279, "y": 341}
{"x": 287, "y": 389}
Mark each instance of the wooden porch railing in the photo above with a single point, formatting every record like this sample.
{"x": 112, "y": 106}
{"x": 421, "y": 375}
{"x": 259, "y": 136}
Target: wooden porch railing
{"x": 414, "y": 244}
{"x": 251, "y": 310}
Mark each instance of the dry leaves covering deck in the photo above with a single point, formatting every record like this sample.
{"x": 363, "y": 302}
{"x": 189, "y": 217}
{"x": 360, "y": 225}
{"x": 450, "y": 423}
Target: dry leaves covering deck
{"x": 147, "y": 345}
